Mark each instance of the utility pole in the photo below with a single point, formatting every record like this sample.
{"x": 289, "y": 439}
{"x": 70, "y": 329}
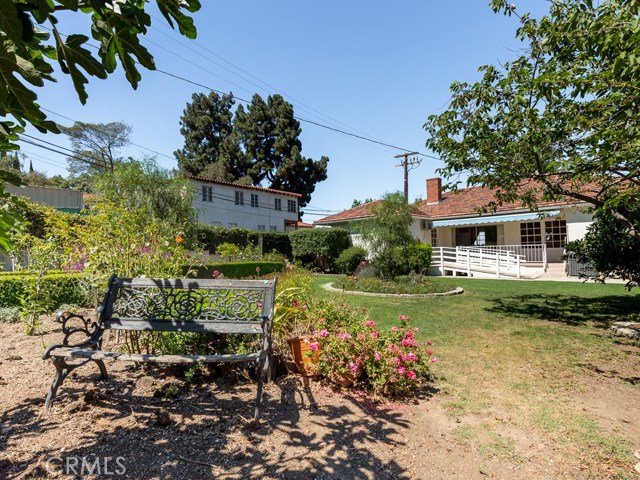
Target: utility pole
{"x": 406, "y": 163}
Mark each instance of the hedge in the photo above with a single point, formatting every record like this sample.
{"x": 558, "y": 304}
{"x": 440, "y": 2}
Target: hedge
{"x": 64, "y": 288}
{"x": 210, "y": 238}
{"x": 319, "y": 246}
{"x": 237, "y": 269}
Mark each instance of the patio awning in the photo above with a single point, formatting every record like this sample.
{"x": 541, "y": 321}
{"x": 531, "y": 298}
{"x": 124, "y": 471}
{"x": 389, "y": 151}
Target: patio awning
{"x": 516, "y": 217}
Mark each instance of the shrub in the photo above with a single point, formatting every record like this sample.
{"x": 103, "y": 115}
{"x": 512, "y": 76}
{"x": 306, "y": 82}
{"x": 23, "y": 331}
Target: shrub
{"x": 404, "y": 284}
{"x": 350, "y": 259}
{"x": 212, "y": 237}
{"x": 228, "y": 251}
{"x": 419, "y": 257}
{"x": 9, "y": 314}
{"x": 319, "y": 247}
{"x": 235, "y": 269}
{"x": 59, "y": 289}
{"x": 389, "y": 362}
{"x": 272, "y": 241}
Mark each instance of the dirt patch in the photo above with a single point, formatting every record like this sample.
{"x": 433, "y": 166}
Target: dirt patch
{"x": 148, "y": 423}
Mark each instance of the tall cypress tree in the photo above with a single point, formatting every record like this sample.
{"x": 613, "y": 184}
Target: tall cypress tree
{"x": 210, "y": 145}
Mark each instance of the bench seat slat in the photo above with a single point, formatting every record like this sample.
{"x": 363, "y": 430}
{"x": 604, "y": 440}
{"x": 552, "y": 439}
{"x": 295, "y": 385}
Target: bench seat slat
{"x": 183, "y": 325}
{"x": 73, "y": 352}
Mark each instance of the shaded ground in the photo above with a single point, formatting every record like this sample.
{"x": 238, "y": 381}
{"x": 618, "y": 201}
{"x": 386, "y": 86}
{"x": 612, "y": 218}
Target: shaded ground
{"x": 150, "y": 424}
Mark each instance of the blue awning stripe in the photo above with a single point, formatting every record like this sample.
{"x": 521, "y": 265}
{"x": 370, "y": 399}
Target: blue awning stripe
{"x": 517, "y": 217}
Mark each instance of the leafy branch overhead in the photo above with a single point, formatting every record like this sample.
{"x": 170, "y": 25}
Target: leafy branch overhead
{"x": 30, "y": 40}
{"x": 564, "y": 113}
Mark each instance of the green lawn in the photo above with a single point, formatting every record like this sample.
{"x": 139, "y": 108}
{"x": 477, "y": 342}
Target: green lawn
{"x": 520, "y": 350}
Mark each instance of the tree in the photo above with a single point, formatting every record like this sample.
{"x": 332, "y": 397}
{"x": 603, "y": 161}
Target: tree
{"x": 358, "y": 203}
{"x": 608, "y": 249}
{"x": 563, "y": 114}
{"x": 10, "y": 161}
{"x": 27, "y": 52}
{"x": 144, "y": 186}
{"x": 387, "y": 234}
{"x": 269, "y": 134}
{"x": 210, "y": 147}
{"x": 95, "y": 146}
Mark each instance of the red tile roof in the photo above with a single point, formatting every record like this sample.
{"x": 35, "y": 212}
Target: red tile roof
{"x": 463, "y": 202}
{"x": 236, "y": 185}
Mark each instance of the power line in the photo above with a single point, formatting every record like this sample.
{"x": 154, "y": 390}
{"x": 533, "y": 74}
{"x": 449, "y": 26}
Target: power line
{"x": 337, "y": 130}
{"x": 271, "y": 87}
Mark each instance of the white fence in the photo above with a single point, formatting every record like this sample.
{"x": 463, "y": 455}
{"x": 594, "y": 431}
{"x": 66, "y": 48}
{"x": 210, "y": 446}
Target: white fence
{"x": 472, "y": 260}
{"x": 529, "y": 253}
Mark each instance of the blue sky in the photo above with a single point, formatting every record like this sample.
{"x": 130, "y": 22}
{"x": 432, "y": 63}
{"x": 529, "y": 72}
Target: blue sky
{"x": 376, "y": 69}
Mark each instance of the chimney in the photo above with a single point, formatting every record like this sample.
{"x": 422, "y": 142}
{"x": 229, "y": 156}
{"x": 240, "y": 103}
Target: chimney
{"x": 434, "y": 190}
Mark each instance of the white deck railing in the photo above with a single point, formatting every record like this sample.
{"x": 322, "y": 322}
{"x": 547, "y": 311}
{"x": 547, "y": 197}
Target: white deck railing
{"x": 530, "y": 253}
{"x": 476, "y": 260}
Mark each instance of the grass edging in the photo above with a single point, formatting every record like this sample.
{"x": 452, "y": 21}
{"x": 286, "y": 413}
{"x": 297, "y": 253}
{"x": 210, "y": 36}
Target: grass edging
{"x": 457, "y": 291}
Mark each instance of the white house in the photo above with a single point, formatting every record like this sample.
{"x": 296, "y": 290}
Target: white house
{"x": 451, "y": 220}
{"x": 245, "y": 206}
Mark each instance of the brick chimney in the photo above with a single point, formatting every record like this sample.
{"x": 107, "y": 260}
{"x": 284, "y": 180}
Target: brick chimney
{"x": 434, "y": 190}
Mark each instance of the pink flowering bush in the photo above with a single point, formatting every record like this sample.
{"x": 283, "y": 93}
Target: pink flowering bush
{"x": 389, "y": 362}
{"x": 399, "y": 362}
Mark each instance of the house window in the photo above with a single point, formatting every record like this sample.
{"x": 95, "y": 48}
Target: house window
{"x": 530, "y": 233}
{"x": 555, "y": 233}
{"x": 292, "y": 206}
{"x": 434, "y": 237}
{"x": 239, "y": 198}
{"x": 278, "y": 204}
{"x": 477, "y": 236}
{"x": 273, "y": 228}
{"x": 254, "y": 199}
{"x": 207, "y": 193}
{"x": 261, "y": 228}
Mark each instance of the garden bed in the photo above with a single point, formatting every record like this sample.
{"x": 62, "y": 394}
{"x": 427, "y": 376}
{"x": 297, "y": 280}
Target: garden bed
{"x": 406, "y": 285}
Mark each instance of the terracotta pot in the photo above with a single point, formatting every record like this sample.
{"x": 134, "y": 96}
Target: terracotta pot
{"x": 346, "y": 379}
{"x": 304, "y": 363}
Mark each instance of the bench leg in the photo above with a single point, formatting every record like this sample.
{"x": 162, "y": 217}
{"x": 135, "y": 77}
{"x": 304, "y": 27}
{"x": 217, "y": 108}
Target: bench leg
{"x": 63, "y": 369}
{"x": 61, "y": 373}
{"x": 263, "y": 371}
{"x": 103, "y": 370}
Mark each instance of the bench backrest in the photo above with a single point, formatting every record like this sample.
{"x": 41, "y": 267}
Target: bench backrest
{"x": 188, "y": 305}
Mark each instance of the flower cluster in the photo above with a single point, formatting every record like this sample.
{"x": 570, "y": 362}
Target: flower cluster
{"x": 390, "y": 362}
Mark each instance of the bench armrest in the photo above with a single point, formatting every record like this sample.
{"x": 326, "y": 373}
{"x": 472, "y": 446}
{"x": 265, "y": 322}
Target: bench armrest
{"x": 79, "y": 331}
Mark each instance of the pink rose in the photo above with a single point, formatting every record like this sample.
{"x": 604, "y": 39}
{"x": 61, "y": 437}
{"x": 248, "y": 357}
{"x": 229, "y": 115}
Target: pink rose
{"x": 433, "y": 359}
{"x": 429, "y": 342}
{"x": 410, "y": 357}
{"x": 369, "y": 323}
{"x": 353, "y": 368}
{"x": 401, "y": 370}
{"x": 396, "y": 360}
{"x": 375, "y": 334}
{"x": 411, "y": 374}
{"x": 216, "y": 274}
{"x": 344, "y": 336}
{"x": 324, "y": 333}
{"x": 314, "y": 346}
{"x": 377, "y": 356}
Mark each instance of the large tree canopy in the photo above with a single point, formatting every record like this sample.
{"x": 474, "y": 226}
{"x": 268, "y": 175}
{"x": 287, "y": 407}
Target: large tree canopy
{"x": 210, "y": 146}
{"x": 260, "y": 145}
{"x": 30, "y": 41}
{"x": 565, "y": 113}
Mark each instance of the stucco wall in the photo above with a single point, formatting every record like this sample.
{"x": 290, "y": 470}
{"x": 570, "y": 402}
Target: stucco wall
{"x": 222, "y": 210}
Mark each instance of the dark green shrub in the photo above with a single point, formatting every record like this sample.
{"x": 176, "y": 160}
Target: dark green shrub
{"x": 237, "y": 269}
{"x": 319, "y": 247}
{"x": 349, "y": 259}
{"x": 419, "y": 257}
{"x": 278, "y": 241}
{"x": 61, "y": 288}
{"x": 211, "y": 238}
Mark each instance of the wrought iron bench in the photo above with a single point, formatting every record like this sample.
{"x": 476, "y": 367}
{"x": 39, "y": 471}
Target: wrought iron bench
{"x": 170, "y": 305}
